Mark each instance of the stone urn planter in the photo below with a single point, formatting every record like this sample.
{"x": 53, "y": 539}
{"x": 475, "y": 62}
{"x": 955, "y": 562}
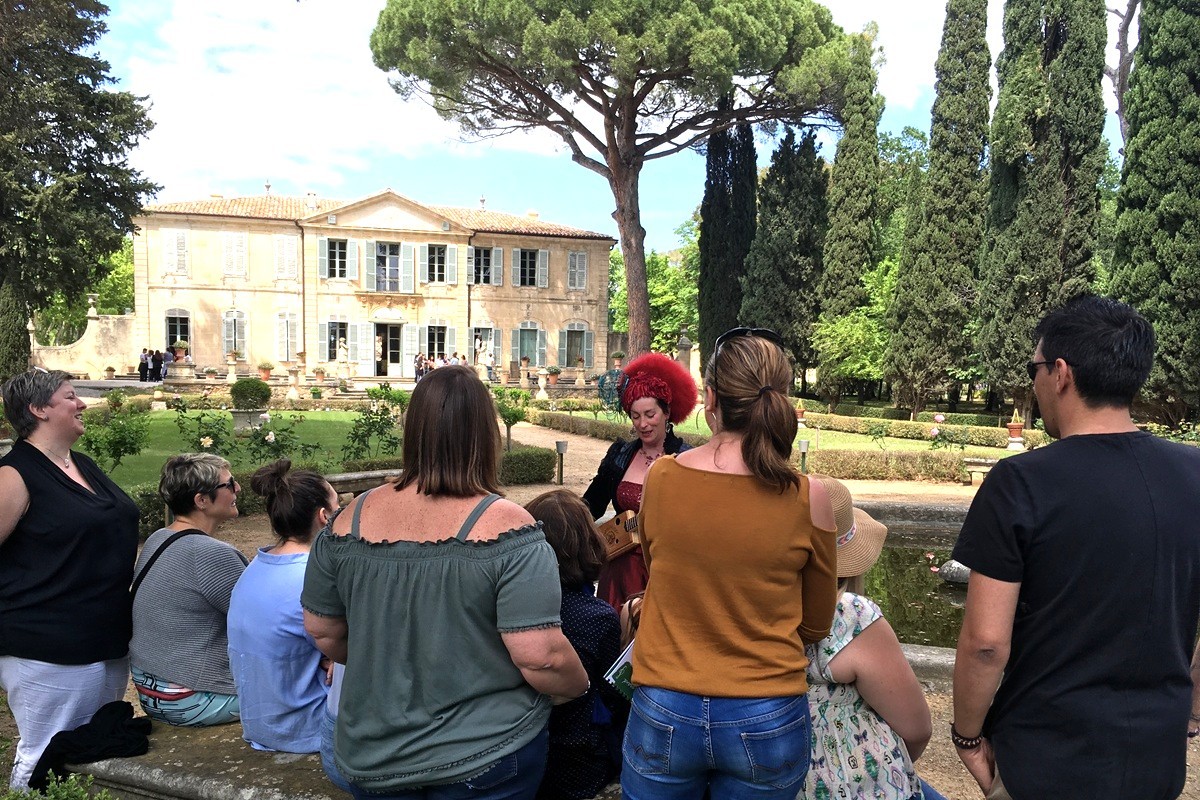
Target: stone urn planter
{"x": 319, "y": 373}
{"x": 1015, "y": 429}
{"x": 110, "y": 373}
{"x": 552, "y": 376}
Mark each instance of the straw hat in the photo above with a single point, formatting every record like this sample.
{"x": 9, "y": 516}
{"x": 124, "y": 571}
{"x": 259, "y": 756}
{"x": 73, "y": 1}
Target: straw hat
{"x": 860, "y": 537}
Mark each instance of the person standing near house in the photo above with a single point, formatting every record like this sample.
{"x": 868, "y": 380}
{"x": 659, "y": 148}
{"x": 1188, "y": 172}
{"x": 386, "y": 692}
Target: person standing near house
{"x": 168, "y": 360}
{"x": 144, "y": 365}
{"x": 156, "y": 366}
{"x": 1085, "y": 583}
{"x": 490, "y": 361}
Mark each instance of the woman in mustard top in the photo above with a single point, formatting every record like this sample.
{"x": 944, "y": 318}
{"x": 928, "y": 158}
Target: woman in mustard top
{"x": 742, "y": 557}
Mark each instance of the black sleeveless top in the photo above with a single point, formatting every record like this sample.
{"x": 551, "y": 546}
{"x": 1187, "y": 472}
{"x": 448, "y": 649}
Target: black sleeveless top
{"x": 65, "y": 569}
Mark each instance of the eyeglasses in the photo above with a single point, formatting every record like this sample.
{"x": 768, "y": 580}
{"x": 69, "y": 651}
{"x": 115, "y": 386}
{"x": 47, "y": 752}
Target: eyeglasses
{"x": 1031, "y": 367}
{"x": 230, "y": 484}
{"x": 734, "y": 333}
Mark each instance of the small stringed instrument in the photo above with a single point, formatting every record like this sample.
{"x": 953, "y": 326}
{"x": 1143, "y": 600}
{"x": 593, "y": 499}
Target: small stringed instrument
{"x": 620, "y": 534}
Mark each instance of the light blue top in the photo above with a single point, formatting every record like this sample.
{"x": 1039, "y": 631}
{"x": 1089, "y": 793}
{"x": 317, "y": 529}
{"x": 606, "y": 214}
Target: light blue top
{"x": 276, "y": 665}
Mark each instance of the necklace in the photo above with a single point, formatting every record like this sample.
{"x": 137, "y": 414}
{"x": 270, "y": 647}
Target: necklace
{"x": 66, "y": 460}
{"x": 650, "y": 459}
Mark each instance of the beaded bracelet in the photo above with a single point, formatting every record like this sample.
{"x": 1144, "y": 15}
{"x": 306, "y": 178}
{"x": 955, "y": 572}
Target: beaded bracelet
{"x": 963, "y": 742}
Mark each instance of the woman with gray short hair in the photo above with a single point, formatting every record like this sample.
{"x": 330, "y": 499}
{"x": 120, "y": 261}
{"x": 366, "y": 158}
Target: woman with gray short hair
{"x": 68, "y": 536}
{"x": 181, "y": 589}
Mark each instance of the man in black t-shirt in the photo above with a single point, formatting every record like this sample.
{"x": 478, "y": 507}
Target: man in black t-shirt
{"x": 1085, "y": 585}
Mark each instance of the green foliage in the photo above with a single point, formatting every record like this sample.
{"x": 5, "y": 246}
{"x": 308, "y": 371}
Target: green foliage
{"x": 512, "y": 407}
{"x": 205, "y": 431}
{"x": 618, "y": 299}
{"x": 73, "y": 787}
{"x": 672, "y": 288}
{"x": 69, "y": 194}
{"x": 853, "y": 346}
{"x": 783, "y": 268}
{"x": 397, "y": 399}
{"x": 935, "y": 290}
{"x": 14, "y": 341}
{"x": 1046, "y": 161}
{"x": 525, "y": 465}
{"x": 878, "y": 432}
{"x": 110, "y": 434}
{"x": 372, "y": 464}
{"x": 373, "y": 433}
{"x": 277, "y": 438}
{"x": 61, "y": 320}
{"x": 869, "y": 465}
{"x": 948, "y": 437}
{"x": 851, "y": 242}
{"x": 1157, "y": 258}
{"x": 596, "y": 428}
{"x": 727, "y": 226}
{"x": 899, "y": 429}
{"x": 250, "y": 393}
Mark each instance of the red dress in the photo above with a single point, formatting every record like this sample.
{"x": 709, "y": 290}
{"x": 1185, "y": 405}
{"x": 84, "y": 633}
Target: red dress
{"x": 627, "y": 574}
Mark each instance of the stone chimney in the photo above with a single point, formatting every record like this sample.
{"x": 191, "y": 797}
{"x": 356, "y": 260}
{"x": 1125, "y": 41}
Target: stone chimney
{"x": 310, "y": 201}
{"x": 532, "y": 213}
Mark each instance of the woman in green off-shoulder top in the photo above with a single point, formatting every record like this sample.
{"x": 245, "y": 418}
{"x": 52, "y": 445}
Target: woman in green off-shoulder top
{"x": 442, "y": 600}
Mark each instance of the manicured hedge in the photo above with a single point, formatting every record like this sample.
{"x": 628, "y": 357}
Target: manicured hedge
{"x": 976, "y": 436}
{"x": 524, "y": 465}
{"x": 372, "y": 464}
{"x": 596, "y": 428}
{"x": 901, "y": 414}
{"x": 875, "y": 465}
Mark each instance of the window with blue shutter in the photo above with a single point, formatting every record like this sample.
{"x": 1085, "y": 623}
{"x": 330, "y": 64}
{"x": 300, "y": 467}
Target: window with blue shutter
{"x": 472, "y": 267}
{"x": 577, "y": 271}
{"x": 543, "y": 268}
{"x": 370, "y": 264}
{"x": 497, "y": 266}
{"x": 423, "y": 263}
{"x": 322, "y": 257}
{"x": 406, "y": 269}
{"x": 452, "y": 264}
{"x": 541, "y": 348}
{"x": 352, "y": 259}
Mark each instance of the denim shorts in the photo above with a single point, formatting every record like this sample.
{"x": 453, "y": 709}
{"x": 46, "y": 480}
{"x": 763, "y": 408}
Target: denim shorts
{"x": 678, "y": 744}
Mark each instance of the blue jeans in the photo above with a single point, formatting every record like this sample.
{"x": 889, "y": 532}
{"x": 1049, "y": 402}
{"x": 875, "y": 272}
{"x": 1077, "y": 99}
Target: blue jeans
{"x": 677, "y": 745}
{"x": 514, "y": 777}
{"x": 929, "y": 793}
{"x": 328, "y": 725}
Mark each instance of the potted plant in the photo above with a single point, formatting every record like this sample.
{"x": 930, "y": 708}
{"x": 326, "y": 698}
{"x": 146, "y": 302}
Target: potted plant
{"x": 799, "y": 411}
{"x": 110, "y": 373}
{"x": 210, "y": 373}
{"x": 250, "y": 397}
{"x": 180, "y": 346}
{"x": 553, "y": 372}
{"x": 617, "y": 355}
{"x": 319, "y": 372}
{"x": 264, "y": 369}
{"x": 315, "y": 391}
{"x": 233, "y": 355}
{"x": 1016, "y": 425}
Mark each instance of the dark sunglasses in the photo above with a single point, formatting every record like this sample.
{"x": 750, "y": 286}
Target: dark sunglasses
{"x": 1031, "y": 367}
{"x": 734, "y": 333}
{"x": 230, "y": 484}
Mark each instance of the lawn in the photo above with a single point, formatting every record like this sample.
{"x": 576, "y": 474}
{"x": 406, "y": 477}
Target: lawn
{"x": 325, "y": 428}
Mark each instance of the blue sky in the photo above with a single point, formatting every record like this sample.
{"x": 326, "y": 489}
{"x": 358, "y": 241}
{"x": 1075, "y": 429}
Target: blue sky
{"x": 244, "y": 92}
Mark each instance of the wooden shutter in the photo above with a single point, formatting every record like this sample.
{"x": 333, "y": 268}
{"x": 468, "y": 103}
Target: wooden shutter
{"x": 423, "y": 262}
{"x": 233, "y": 249}
{"x": 581, "y": 270}
{"x": 323, "y": 342}
{"x": 570, "y": 270}
{"x": 411, "y": 348}
{"x": 229, "y": 334}
{"x": 589, "y": 343}
{"x": 240, "y": 332}
{"x": 497, "y": 271}
{"x": 352, "y": 259}
{"x": 562, "y": 348}
{"x": 495, "y": 344}
{"x": 285, "y": 256}
{"x": 352, "y": 341}
{"x": 370, "y": 264}
{"x": 516, "y": 345}
{"x": 470, "y": 265}
{"x": 423, "y": 334}
{"x": 543, "y": 269}
{"x": 516, "y": 266}
{"x": 322, "y": 257}
{"x": 366, "y": 348}
{"x": 451, "y": 341}
{"x": 406, "y": 269}
{"x": 452, "y": 264}
{"x": 170, "y": 251}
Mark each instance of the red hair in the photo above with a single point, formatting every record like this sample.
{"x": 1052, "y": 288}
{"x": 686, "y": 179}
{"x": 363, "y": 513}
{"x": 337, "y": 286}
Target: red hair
{"x": 655, "y": 375}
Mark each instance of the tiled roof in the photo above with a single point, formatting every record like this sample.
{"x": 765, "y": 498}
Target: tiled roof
{"x": 478, "y": 219}
{"x": 295, "y": 208}
{"x": 264, "y": 207}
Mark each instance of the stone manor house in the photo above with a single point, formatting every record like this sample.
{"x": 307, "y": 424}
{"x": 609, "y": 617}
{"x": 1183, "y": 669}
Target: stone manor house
{"x": 374, "y": 281}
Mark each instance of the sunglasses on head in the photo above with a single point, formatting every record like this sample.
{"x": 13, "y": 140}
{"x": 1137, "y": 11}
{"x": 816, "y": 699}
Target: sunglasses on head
{"x": 734, "y": 333}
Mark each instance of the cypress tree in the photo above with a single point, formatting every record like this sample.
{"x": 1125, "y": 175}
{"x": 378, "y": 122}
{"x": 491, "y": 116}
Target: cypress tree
{"x": 1046, "y": 160}
{"x": 727, "y": 223}
{"x": 14, "y": 339}
{"x": 779, "y": 289}
{"x": 1157, "y": 253}
{"x": 935, "y": 285}
{"x": 852, "y": 241}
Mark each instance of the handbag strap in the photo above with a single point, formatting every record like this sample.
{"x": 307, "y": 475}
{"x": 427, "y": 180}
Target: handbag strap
{"x": 176, "y": 536}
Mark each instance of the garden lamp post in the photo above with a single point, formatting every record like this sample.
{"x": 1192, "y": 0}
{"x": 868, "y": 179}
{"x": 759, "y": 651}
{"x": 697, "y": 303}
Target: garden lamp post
{"x": 561, "y": 447}
{"x": 804, "y": 456}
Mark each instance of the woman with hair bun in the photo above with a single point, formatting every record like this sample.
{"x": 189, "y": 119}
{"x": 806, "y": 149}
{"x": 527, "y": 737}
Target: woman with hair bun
{"x": 656, "y": 391}
{"x": 281, "y": 676}
{"x": 742, "y": 557}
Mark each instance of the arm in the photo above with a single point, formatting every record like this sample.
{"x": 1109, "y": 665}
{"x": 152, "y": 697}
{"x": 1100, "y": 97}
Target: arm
{"x": 874, "y": 662}
{"x": 819, "y": 588}
{"x": 547, "y": 661}
{"x": 600, "y": 491}
{"x": 14, "y": 501}
{"x": 330, "y": 634}
{"x": 983, "y": 648}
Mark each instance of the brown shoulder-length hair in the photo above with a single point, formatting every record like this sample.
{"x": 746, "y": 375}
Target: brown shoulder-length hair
{"x": 451, "y": 439}
{"x": 569, "y": 529}
{"x": 751, "y": 377}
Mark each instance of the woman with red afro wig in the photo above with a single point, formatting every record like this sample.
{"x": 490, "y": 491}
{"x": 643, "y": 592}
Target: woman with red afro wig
{"x": 656, "y": 391}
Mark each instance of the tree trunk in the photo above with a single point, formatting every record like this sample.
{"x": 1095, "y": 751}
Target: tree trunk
{"x": 953, "y": 396}
{"x": 628, "y": 215}
{"x": 14, "y": 337}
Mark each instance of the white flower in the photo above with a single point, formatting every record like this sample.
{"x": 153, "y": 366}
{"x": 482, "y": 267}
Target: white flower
{"x": 206, "y": 442}
{"x": 270, "y": 437}
{"x": 939, "y": 418}
{"x": 266, "y": 415}
{"x": 933, "y": 432}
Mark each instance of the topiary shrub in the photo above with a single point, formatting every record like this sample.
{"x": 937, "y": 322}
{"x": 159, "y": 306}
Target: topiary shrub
{"x": 524, "y": 465}
{"x": 596, "y": 428}
{"x": 372, "y": 464}
{"x": 250, "y": 393}
{"x": 873, "y": 465}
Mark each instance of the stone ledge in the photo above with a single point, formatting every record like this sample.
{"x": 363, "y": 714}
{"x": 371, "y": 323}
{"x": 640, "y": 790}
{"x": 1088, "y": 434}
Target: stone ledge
{"x": 933, "y": 665}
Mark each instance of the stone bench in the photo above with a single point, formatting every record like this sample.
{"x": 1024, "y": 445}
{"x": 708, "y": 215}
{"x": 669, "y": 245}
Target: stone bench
{"x": 977, "y": 466}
